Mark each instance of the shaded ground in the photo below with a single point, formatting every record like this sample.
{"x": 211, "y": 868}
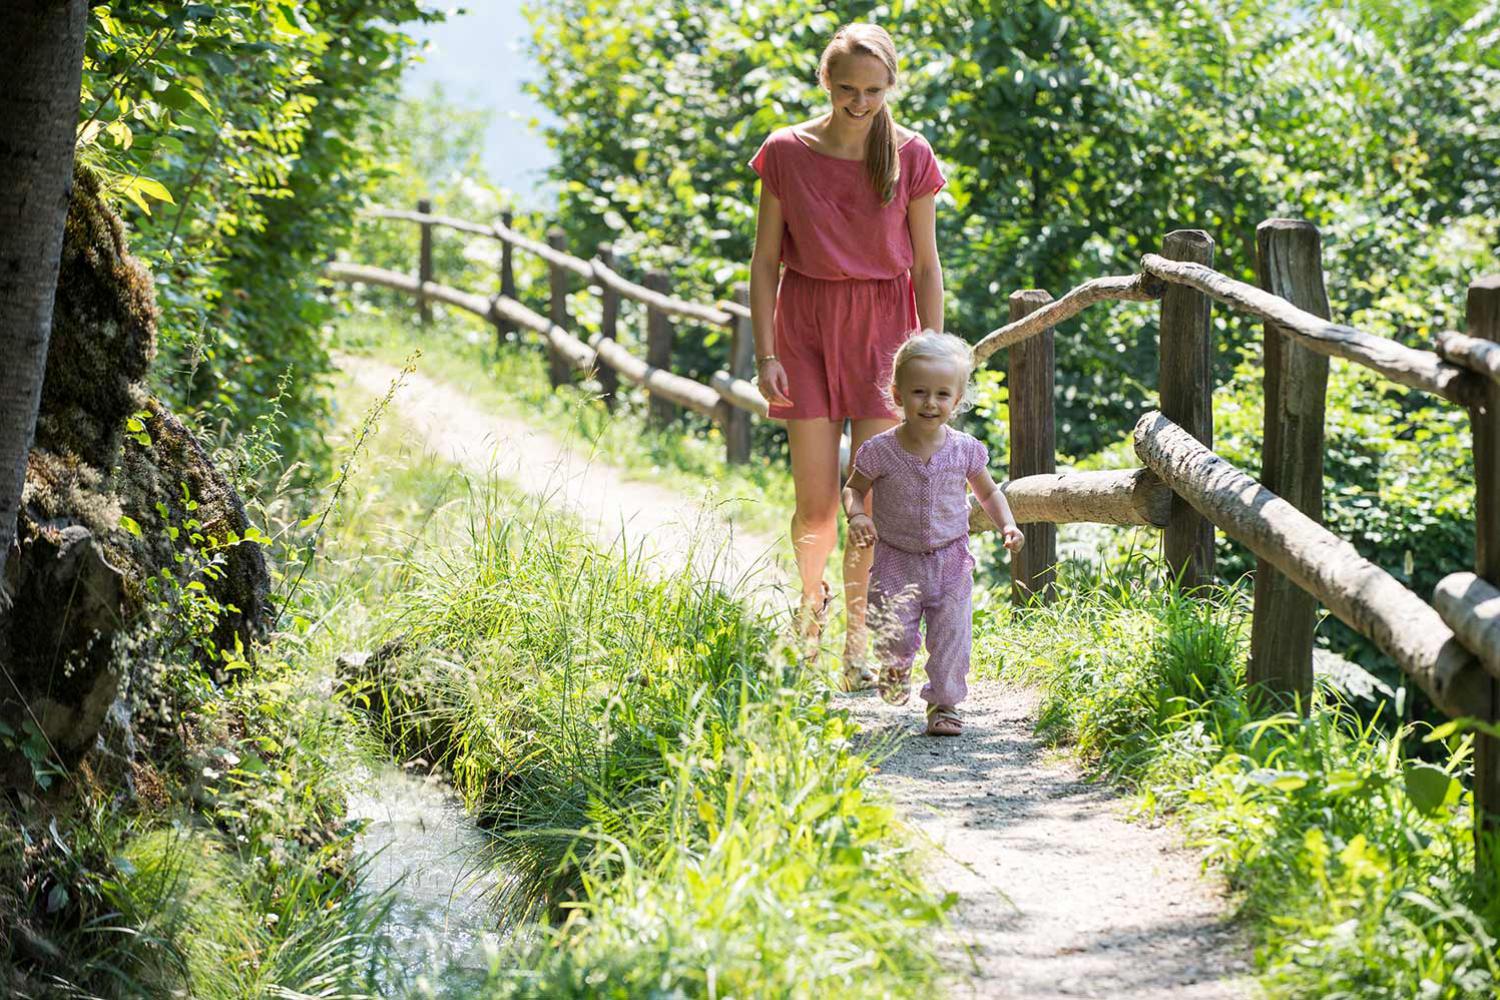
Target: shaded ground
{"x": 1059, "y": 896}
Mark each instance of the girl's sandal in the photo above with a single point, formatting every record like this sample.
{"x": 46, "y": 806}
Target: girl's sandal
{"x": 895, "y": 684}
{"x": 943, "y": 720}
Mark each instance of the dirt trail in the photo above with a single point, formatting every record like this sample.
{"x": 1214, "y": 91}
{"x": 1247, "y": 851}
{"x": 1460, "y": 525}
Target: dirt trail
{"x": 1059, "y": 895}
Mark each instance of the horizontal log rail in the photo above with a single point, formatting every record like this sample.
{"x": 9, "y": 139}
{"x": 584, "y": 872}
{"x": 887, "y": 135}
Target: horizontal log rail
{"x": 596, "y": 271}
{"x": 695, "y": 396}
{"x": 1124, "y": 497}
{"x": 656, "y": 300}
{"x": 1362, "y": 595}
{"x": 1470, "y": 605}
{"x": 1397, "y": 362}
{"x": 1479, "y": 356}
{"x": 1128, "y": 288}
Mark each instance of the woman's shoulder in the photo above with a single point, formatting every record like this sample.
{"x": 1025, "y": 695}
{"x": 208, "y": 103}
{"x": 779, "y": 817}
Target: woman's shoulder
{"x": 911, "y": 141}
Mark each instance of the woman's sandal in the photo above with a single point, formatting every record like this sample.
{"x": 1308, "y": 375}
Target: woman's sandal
{"x": 944, "y": 720}
{"x": 810, "y": 622}
{"x": 895, "y": 684}
{"x": 857, "y": 676}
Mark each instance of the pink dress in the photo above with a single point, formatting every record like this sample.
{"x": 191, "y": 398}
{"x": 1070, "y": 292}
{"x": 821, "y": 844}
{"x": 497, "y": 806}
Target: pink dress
{"x": 923, "y": 571}
{"x": 845, "y": 302}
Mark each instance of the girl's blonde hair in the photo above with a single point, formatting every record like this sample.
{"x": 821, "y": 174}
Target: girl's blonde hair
{"x": 882, "y": 159}
{"x": 929, "y": 345}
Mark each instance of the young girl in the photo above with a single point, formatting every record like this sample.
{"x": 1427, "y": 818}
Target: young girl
{"x": 846, "y": 203}
{"x": 919, "y": 525}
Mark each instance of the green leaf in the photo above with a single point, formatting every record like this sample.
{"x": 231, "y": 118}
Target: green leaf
{"x": 1428, "y": 787}
{"x": 130, "y": 525}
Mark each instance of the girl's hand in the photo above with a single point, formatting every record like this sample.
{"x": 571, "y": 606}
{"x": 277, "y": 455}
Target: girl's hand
{"x": 1014, "y": 540}
{"x": 862, "y": 531}
{"x": 773, "y": 383}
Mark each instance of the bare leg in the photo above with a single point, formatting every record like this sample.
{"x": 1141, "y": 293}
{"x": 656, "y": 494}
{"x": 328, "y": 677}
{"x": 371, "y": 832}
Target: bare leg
{"x": 815, "y": 478}
{"x": 857, "y": 561}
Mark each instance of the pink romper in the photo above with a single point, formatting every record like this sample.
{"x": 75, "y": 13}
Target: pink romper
{"x": 845, "y": 302}
{"x": 922, "y": 567}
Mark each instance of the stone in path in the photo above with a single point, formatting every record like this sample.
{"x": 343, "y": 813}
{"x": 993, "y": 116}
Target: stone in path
{"x": 1059, "y": 896}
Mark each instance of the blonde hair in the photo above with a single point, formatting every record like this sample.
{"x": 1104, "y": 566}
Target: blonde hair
{"x": 929, "y": 345}
{"x": 882, "y": 158}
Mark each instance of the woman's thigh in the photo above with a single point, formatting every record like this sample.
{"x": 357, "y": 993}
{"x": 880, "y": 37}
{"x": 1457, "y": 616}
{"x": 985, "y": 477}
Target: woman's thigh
{"x": 815, "y": 465}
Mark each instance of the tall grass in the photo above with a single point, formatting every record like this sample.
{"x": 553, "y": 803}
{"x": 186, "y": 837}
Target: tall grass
{"x": 681, "y": 806}
{"x": 1352, "y": 855}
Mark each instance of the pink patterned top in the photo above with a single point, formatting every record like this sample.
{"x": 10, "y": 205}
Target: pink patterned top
{"x": 835, "y": 226}
{"x": 920, "y": 506}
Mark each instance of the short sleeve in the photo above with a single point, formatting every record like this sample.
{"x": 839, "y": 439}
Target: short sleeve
{"x": 926, "y": 175}
{"x": 869, "y": 461}
{"x": 979, "y": 457}
{"x": 767, "y": 163}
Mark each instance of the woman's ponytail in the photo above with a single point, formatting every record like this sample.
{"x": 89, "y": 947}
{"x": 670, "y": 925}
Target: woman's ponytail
{"x": 882, "y": 160}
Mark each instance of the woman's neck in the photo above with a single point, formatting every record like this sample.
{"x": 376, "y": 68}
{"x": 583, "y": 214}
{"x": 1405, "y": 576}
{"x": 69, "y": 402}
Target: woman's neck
{"x": 844, "y": 138}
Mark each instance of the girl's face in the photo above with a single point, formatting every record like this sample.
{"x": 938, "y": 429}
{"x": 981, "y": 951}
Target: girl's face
{"x": 928, "y": 390}
{"x": 857, "y": 85}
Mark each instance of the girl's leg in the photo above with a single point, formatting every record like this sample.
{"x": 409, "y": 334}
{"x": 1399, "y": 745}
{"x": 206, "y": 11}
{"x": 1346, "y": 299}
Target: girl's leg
{"x": 857, "y": 562}
{"x": 815, "y": 480}
{"x": 950, "y": 629}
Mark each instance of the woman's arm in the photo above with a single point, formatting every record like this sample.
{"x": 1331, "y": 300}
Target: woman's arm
{"x": 861, "y": 531}
{"x": 926, "y": 270}
{"x": 765, "y": 275}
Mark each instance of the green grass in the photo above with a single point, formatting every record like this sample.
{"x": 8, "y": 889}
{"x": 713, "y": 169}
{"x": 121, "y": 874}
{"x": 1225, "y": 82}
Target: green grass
{"x": 682, "y": 807}
{"x": 227, "y": 872}
{"x": 688, "y": 458}
{"x": 1350, "y": 851}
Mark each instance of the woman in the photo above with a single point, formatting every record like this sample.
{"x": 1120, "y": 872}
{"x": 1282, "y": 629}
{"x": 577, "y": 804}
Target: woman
{"x": 847, "y": 203}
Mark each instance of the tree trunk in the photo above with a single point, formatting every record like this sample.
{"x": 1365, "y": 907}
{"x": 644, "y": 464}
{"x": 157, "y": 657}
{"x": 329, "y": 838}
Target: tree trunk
{"x": 41, "y": 71}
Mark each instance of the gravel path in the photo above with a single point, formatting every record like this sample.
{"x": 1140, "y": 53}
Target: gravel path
{"x": 1059, "y": 895}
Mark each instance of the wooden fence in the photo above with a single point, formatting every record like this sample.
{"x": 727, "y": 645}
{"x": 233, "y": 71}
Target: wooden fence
{"x": 1450, "y": 648}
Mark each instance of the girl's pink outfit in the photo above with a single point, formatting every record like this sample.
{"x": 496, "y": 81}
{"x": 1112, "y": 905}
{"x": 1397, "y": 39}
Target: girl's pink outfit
{"x": 922, "y": 567}
{"x": 846, "y": 301}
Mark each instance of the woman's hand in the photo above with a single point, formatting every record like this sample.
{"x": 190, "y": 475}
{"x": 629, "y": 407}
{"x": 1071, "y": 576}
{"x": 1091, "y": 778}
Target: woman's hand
{"x": 771, "y": 378}
{"x": 862, "y": 531}
{"x": 1014, "y": 540}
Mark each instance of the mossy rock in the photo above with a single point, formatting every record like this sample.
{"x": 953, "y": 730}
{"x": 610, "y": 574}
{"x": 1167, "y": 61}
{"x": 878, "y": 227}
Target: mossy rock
{"x": 81, "y": 575}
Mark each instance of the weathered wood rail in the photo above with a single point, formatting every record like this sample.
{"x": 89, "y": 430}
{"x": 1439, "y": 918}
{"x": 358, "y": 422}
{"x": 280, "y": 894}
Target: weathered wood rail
{"x": 1450, "y": 647}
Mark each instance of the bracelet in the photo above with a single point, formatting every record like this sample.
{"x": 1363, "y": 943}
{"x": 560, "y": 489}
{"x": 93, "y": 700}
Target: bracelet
{"x": 766, "y": 357}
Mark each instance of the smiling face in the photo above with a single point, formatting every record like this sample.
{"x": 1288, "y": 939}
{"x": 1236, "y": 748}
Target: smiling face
{"x": 857, "y": 84}
{"x": 928, "y": 391}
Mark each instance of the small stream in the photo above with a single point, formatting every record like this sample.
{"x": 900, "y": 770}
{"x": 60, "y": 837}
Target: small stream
{"x": 422, "y": 846}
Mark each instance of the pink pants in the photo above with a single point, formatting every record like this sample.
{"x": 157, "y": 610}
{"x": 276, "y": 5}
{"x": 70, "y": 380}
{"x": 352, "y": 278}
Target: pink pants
{"x": 907, "y": 588}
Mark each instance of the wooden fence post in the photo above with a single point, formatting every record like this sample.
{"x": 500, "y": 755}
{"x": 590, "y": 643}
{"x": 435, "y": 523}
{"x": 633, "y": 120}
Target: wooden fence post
{"x": 505, "y": 329}
{"x": 1186, "y": 389}
{"x": 741, "y": 365}
{"x": 1030, "y": 382}
{"x": 1289, "y": 263}
{"x": 1484, "y": 323}
{"x": 559, "y": 372}
{"x": 659, "y": 348}
{"x": 609, "y": 322}
{"x": 424, "y": 263}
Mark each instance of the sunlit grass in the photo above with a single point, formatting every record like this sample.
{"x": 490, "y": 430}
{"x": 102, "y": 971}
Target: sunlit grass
{"x": 667, "y": 790}
{"x": 688, "y": 459}
{"x": 1351, "y": 855}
